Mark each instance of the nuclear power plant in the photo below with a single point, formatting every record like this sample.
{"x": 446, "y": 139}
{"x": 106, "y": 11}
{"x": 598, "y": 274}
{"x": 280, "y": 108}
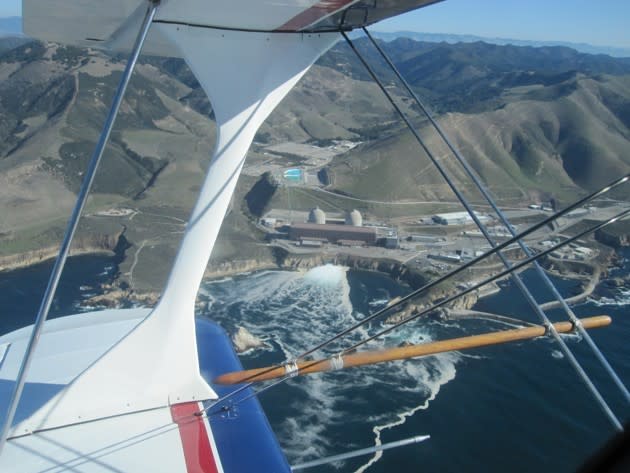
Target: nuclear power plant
{"x": 349, "y": 231}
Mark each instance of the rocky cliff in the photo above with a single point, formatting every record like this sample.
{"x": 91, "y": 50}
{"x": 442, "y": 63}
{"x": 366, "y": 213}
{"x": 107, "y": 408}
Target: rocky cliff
{"x": 87, "y": 244}
{"x": 615, "y": 235}
{"x": 394, "y": 269}
{"x": 465, "y": 302}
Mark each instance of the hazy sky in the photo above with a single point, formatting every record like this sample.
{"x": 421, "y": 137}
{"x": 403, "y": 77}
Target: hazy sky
{"x": 10, "y": 8}
{"x": 599, "y": 22}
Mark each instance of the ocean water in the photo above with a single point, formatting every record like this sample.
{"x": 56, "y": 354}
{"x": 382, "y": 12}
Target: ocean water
{"x": 21, "y": 290}
{"x": 515, "y": 407}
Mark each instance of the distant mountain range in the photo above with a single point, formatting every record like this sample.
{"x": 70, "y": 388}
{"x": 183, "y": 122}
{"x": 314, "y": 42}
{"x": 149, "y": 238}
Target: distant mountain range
{"x": 466, "y": 38}
{"x": 472, "y": 77}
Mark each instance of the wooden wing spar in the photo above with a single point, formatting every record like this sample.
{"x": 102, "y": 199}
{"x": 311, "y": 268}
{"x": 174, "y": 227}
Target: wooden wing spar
{"x": 403, "y": 353}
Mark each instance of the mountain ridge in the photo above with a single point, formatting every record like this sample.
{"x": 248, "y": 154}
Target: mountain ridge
{"x": 469, "y": 38}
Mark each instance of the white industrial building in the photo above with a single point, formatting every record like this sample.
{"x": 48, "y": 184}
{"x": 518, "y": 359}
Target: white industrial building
{"x": 458, "y": 218}
{"x": 317, "y": 216}
{"x": 354, "y": 218}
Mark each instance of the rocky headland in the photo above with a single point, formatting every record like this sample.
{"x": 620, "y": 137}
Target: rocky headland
{"x": 243, "y": 341}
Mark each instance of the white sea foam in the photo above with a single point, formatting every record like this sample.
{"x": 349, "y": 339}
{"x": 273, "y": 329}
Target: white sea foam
{"x": 107, "y": 270}
{"x": 298, "y": 311}
{"x": 557, "y": 354}
{"x": 303, "y": 436}
{"x": 286, "y": 351}
{"x": 619, "y": 297}
{"x": 473, "y": 357}
{"x": 622, "y": 298}
{"x": 221, "y": 280}
{"x": 328, "y": 275}
{"x": 78, "y": 307}
{"x": 379, "y": 303}
{"x": 574, "y": 336}
{"x": 432, "y": 375}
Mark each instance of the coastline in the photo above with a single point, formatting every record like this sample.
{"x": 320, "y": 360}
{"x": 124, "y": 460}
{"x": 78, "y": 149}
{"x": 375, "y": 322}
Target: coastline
{"x": 35, "y": 257}
{"x": 117, "y": 294}
{"x": 91, "y": 244}
{"x": 588, "y": 289}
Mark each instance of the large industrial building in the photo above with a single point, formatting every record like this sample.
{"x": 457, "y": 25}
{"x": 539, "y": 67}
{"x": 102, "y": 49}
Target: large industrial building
{"x": 321, "y": 228}
{"x": 458, "y": 218}
{"x": 333, "y": 233}
{"x": 320, "y": 217}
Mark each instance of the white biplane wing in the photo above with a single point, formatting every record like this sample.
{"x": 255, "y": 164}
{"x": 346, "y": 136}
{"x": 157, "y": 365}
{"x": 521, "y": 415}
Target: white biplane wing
{"x": 113, "y": 24}
{"x": 119, "y": 390}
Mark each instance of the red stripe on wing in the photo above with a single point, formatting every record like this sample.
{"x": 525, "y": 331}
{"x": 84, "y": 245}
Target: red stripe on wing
{"x": 192, "y": 430}
{"x": 313, "y": 14}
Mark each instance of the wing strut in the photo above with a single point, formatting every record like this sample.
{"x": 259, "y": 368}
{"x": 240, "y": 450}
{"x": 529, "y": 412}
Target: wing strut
{"x": 360, "y": 452}
{"x": 64, "y": 250}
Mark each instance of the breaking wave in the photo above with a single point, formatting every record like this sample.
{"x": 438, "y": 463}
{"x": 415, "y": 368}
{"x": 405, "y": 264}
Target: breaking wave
{"x": 317, "y": 415}
{"x": 619, "y": 298}
{"x": 615, "y": 291}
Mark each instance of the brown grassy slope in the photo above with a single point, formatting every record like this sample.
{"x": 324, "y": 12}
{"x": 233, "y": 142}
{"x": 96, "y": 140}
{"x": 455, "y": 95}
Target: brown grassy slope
{"x": 327, "y": 104}
{"x": 533, "y": 145}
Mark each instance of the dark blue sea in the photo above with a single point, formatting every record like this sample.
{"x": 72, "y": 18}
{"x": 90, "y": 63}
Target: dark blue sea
{"x": 516, "y": 408}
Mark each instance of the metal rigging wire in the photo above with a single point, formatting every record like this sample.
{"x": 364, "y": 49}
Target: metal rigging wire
{"x": 614, "y": 184}
{"x": 416, "y": 292}
{"x": 472, "y": 262}
{"x": 490, "y": 279}
{"x": 42, "y": 315}
{"x": 494, "y": 250}
{"x": 515, "y": 277}
{"x": 393, "y": 327}
{"x": 486, "y": 194}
